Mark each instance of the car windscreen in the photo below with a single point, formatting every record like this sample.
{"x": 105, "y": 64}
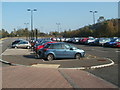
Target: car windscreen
{"x": 15, "y": 42}
{"x": 68, "y": 46}
{"x": 23, "y": 42}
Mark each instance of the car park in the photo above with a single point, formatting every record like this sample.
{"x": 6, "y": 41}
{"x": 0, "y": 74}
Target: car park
{"x": 60, "y": 50}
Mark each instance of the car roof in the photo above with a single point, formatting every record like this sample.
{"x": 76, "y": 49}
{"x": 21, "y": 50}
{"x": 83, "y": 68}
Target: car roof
{"x": 57, "y": 43}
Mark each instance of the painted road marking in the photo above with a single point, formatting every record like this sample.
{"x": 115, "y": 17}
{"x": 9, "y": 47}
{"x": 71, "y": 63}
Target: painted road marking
{"x": 46, "y": 65}
{"x": 117, "y": 51}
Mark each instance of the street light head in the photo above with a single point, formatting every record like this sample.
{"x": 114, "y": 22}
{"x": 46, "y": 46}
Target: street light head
{"x": 91, "y": 11}
{"x": 35, "y": 10}
{"x": 26, "y": 23}
{"x": 28, "y": 10}
{"x": 95, "y": 11}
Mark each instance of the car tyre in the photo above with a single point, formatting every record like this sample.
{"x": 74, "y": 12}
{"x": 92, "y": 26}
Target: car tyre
{"x": 28, "y": 47}
{"x": 37, "y": 56}
{"x": 16, "y": 47}
{"x": 50, "y": 57}
{"x": 77, "y": 56}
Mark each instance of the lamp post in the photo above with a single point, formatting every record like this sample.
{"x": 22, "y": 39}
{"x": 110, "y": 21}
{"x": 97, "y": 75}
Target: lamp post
{"x": 26, "y": 28}
{"x": 32, "y": 10}
{"x": 93, "y": 15}
{"x": 26, "y": 25}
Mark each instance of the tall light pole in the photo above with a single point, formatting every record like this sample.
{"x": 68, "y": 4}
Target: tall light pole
{"x": 58, "y": 26}
{"x": 32, "y": 10}
{"x": 26, "y": 28}
{"x": 93, "y": 15}
{"x": 26, "y": 25}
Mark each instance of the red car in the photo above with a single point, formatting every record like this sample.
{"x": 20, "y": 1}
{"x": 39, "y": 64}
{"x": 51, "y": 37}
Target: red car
{"x": 116, "y": 44}
{"x": 83, "y": 40}
{"x": 41, "y": 46}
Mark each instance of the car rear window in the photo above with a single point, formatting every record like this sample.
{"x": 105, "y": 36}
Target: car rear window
{"x": 56, "y": 46}
{"x": 47, "y": 46}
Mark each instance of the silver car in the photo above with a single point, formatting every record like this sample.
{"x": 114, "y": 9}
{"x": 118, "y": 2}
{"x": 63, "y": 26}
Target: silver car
{"x": 22, "y": 44}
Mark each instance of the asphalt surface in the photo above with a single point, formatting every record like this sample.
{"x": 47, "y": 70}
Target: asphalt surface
{"x": 32, "y": 77}
{"x": 4, "y": 44}
{"x": 108, "y": 73}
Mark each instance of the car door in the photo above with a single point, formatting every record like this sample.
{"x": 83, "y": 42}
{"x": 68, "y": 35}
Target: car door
{"x": 59, "y": 51}
{"x": 22, "y": 44}
{"x": 69, "y": 52}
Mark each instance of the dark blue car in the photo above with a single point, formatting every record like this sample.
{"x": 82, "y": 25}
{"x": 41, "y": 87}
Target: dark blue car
{"x": 110, "y": 44}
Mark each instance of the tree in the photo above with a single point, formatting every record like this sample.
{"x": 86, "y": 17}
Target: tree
{"x": 4, "y": 33}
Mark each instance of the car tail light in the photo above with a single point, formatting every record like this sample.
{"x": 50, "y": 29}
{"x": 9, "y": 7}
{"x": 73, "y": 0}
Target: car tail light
{"x": 45, "y": 49}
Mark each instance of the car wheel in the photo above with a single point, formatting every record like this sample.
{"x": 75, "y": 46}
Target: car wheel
{"x": 16, "y": 47}
{"x": 50, "y": 57}
{"x": 28, "y": 47}
{"x": 37, "y": 56}
{"x": 77, "y": 56}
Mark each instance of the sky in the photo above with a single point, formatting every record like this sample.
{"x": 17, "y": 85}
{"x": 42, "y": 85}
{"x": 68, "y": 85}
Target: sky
{"x": 70, "y": 15}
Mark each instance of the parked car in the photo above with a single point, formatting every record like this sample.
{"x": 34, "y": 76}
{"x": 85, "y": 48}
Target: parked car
{"x": 113, "y": 41}
{"x": 42, "y": 45}
{"x": 58, "y": 39}
{"x": 104, "y": 40}
{"x": 62, "y": 39}
{"x": 60, "y": 50}
{"x": 22, "y": 44}
{"x": 75, "y": 40}
{"x": 70, "y": 40}
{"x": 94, "y": 42}
{"x": 53, "y": 39}
{"x": 17, "y": 41}
{"x": 116, "y": 44}
{"x": 67, "y": 39}
{"x": 83, "y": 40}
{"x": 89, "y": 41}
{"x": 101, "y": 41}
